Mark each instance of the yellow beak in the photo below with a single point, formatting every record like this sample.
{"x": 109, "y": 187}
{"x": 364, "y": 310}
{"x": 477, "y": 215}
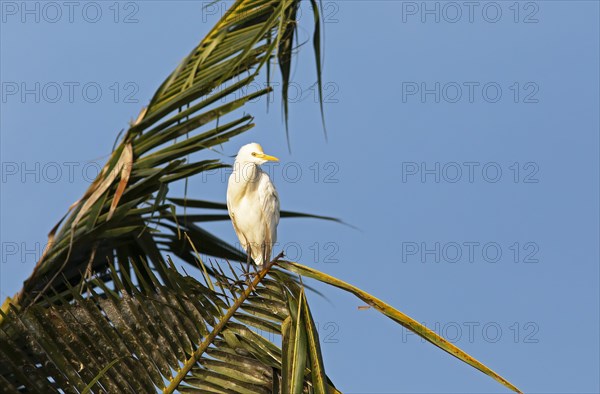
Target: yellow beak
{"x": 266, "y": 157}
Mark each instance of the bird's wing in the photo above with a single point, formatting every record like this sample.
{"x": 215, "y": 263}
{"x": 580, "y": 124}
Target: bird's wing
{"x": 269, "y": 202}
{"x": 239, "y": 234}
{"x": 230, "y": 209}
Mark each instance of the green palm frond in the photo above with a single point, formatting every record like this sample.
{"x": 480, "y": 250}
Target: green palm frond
{"x": 182, "y": 335}
{"x": 152, "y": 336}
{"x": 399, "y": 317}
{"x": 115, "y": 221}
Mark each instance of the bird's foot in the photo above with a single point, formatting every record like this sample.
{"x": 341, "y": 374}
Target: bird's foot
{"x": 249, "y": 277}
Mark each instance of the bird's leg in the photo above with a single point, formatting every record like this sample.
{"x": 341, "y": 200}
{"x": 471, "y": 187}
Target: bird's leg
{"x": 246, "y": 269}
{"x": 249, "y": 259}
{"x": 250, "y": 275}
{"x": 249, "y": 263}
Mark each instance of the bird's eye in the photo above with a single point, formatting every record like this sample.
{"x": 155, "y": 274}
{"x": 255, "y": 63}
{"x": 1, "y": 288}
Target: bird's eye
{"x": 253, "y": 153}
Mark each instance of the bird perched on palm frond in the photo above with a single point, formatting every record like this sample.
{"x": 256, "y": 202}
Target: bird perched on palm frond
{"x": 253, "y": 203}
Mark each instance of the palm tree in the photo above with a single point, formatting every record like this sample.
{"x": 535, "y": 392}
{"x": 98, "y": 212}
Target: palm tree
{"x": 105, "y": 309}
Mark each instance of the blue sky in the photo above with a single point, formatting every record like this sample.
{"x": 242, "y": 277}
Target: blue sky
{"x": 463, "y": 143}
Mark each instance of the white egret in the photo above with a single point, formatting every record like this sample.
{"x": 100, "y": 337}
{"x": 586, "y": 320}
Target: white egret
{"x": 253, "y": 203}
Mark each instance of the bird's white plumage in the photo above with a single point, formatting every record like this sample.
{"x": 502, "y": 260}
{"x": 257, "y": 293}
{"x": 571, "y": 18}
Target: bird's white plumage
{"x": 253, "y": 203}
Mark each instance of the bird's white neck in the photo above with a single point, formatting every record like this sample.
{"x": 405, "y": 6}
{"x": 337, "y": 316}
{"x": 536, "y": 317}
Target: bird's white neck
{"x": 246, "y": 174}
